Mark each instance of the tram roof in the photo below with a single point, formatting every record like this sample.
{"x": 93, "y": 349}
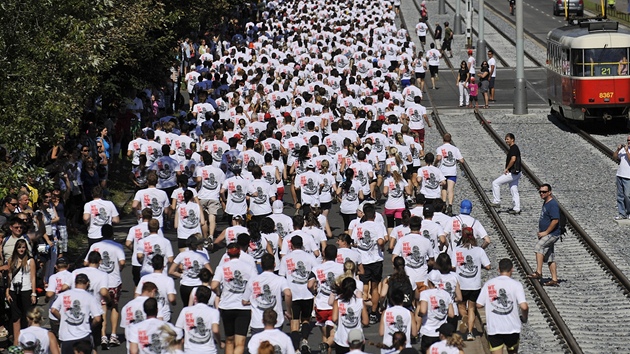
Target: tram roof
{"x": 598, "y": 35}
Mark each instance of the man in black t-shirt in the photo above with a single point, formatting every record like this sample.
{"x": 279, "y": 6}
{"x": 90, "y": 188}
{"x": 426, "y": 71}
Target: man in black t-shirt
{"x": 511, "y": 175}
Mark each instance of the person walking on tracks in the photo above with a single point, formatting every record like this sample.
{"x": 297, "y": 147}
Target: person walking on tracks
{"x": 511, "y": 175}
{"x": 500, "y": 296}
{"x": 623, "y": 180}
{"x": 548, "y": 234}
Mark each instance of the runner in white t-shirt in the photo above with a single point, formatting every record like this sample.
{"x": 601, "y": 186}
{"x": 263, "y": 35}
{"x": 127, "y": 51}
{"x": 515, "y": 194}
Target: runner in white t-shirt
{"x": 97, "y": 213}
{"x": 446, "y": 157}
{"x": 200, "y": 323}
{"x": 153, "y": 198}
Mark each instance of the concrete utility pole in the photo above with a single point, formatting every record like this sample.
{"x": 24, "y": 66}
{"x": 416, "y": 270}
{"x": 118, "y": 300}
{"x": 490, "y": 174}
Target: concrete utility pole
{"x": 441, "y": 7}
{"x": 481, "y": 42}
{"x": 520, "y": 93}
{"x": 457, "y": 23}
{"x": 469, "y": 11}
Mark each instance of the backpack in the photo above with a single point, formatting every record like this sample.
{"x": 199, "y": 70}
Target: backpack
{"x": 362, "y": 128}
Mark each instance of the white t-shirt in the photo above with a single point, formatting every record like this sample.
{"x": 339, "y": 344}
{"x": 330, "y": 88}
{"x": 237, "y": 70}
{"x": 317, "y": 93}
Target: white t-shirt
{"x": 442, "y": 348}
{"x": 432, "y": 231}
{"x": 421, "y": 29}
{"x": 399, "y": 231}
{"x": 211, "y": 180}
{"x": 349, "y": 319}
{"x": 437, "y": 310}
{"x": 166, "y": 168}
{"x": 366, "y": 236}
{"x": 281, "y": 341}
{"x": 233, "y": 276}
{"x": 350, "y": 199}
{"x": 284, "y": 224}
{"x": 148, "y": 336}
{"x": 296, "y": 267}
{"x": 265, "y": 291}
{"x": 41, "y": 334}
{"x": 416, "y": 250}
{"x": 450, "y": 155}
{"x": 416, "y": 113}
{"x": 471, "y": 62}
{"x": 56, "y": 283}
{"x": 155, "y": 199}
{"x": 397, "y": 319}
{"x": 458, "y": 222}
{"x": 76, "y": 307}
{"x": 309, "y": 183}
{"x": 624, "y": 164}
{"x": 468, "y": 263}
{"x": 133, "y": 312}
{"x": 232, "y": 232}
{"x": 431, "y": 179}
{"x": 189, "y": 220}
{"x": 98, "y": 281}
{"x": 309, "y": 244}
{"x": 433, "y": 57}
{"x": 396, "y": 193}
{"x": 101, "y": 213}
{"x": 191, "y": 262}
{"x": 149, "y": 247}
{"x": 325, "y": 274}
{"x": 492, "y": 62}
{"x": 197, "y": 322}
{"x": 237, "y": 189}
{"x": 165, "y": 286}
{"x": 178, "y": 195}
{"x": 260, "y": 204}
{"x": 136, "y": 146}
{"x": 348, "y": 254}
{"x": 502, "y": 297}
{"x": 448, "y": 282}
{"x": 111, "y": 253}
{"x": 136, "y": 233}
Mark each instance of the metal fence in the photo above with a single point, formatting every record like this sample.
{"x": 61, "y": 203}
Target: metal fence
{"x": 614, "y": 14}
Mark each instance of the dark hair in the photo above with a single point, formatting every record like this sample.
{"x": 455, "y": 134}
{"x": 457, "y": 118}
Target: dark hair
{"x": 443, "y": 263}
{"x": 346, "y": 238}
{"x": 188, "y": 195}
{"x": 415, "y": 223}
{"x": 347, "y": 289}
{"x": 205, "y": 275}
{"x": 203, "y": 294}
{"x": 150, "y": 307}
{"x": 399, "y": 275}
{"x": 157, "y": 262}
{"x": 297, "y": 242}
{"x": 330, "y": 252}
{"x": 107, "y": 231}
{"x": 94, "y": 257}
{"x": 505, "y": 265}
{"x": 267, "y": 261}
{"x": 397, "y": 297}
{"x": 267, "y": 225}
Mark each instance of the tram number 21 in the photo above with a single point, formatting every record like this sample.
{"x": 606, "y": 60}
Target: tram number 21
{"x": 606, "y": 94}
{"x": 605, "y": 71}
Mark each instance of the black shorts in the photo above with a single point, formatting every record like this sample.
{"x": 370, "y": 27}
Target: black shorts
{"x": 372, "y": 272}
{"x": 427, "y": 342}
{"x": 181, "y": 243}
{"x": 434, "y": 70}
{"x": 325, "y": 206}
{"x": 497, "y": 341}
{"x": 420, "y": 75}
{"x": 302, "y": 309}
{"x": 423, "y": 39}
{"x": 470, "y": 295}
{"x": 446, "y": 45}
{"x": 491, "y": 82}
{"x": 135, "y": 272}
{"x": 236, "y": 322}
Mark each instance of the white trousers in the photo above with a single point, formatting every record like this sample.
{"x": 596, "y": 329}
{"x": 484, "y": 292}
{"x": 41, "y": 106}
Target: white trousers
{"x": 512, "y": 180}
{"x": 463, "y": 93}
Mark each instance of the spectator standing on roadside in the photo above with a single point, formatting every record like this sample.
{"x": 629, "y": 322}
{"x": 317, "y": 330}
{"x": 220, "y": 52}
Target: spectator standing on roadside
{"x": 484, "y": 80}
{"x": 463, "y": 76}
{"x": 492, "y": 66}
{"x": 504, "y": 322}
{"x": 511, "y": 175}
{"x": 448, "y": 38}
{"x": 548, "y": 234}
{"x": 622, "y": 154}
{"x": 437, "y": 34}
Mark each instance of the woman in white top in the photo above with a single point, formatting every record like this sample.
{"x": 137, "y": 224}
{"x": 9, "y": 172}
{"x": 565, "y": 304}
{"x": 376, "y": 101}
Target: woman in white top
{"x": 348, "y": 313}
{"x": 273, "y": 239}
{"x": 350, "y": 193}
{"x": 188, "y": 219}
{"x": 187, "y": 265}
{"x": 395, "y": 188}
{"x": 468, "y": 259}
{"x": 35, "y": 336}
{"x": 329, "y": 185}
{"x": 21, "y": 294}
{"x": 420, "y": 67}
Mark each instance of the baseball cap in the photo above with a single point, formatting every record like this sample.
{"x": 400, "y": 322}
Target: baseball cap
{"x": 446, "y": 329}
{"x": 465, "y": 207}
{"x": 472, "y": 79}
{"x": 278, "y": 207}
{"x": 429, "y": 209}
{"x": 355, "y": 336}
{"x": 187, "y": 152}
{"x": 470, "y": 51}
{"x": 394, "y": 169}
{"x": 62, "y": 260}
{"x": 434, "y": 277}
{"x": 311, "y": 164}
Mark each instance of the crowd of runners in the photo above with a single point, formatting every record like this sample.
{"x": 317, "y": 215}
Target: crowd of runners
{"x": 315, "y": 110}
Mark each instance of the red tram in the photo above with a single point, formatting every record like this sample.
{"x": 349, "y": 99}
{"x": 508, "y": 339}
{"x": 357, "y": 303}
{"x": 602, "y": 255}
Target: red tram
{"x": 587, "y": 71}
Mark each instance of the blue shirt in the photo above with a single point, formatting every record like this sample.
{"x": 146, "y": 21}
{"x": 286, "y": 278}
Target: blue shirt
{"x": 550, "y": 211}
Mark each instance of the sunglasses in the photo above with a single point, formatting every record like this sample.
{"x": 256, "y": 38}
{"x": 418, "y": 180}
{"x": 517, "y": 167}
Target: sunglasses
{"x": 18, "y": 227}
{"x": 14, "y": 204}
{"x": 543, "y": 192}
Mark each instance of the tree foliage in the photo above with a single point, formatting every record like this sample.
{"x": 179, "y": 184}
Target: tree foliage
{"x": 56, "y": 55}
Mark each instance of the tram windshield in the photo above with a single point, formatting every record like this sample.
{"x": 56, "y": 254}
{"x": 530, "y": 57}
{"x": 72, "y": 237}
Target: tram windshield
{"x": 600, "y": 62}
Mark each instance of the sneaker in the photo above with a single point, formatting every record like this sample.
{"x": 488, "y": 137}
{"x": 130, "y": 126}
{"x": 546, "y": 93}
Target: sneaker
{"x": 495, "y": 205}
{"x": 104, "y": 343}
{"x": 514, "y": 212}
{"x": 470, "y": 336}
{"x": 304, "y": 348}
{"x": 323, "y": 348}
{"x": 113, "y": 341}
{"x": 620, "y": 217}
{"x": 449, "y": 210}
{"x": 373, "y": 318}
{"x": 437, "y": 77}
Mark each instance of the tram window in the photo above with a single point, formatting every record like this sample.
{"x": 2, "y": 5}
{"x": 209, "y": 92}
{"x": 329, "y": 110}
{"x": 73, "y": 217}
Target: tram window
{"x": 578, "y": 62}
{"x": 601, "y": 62}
